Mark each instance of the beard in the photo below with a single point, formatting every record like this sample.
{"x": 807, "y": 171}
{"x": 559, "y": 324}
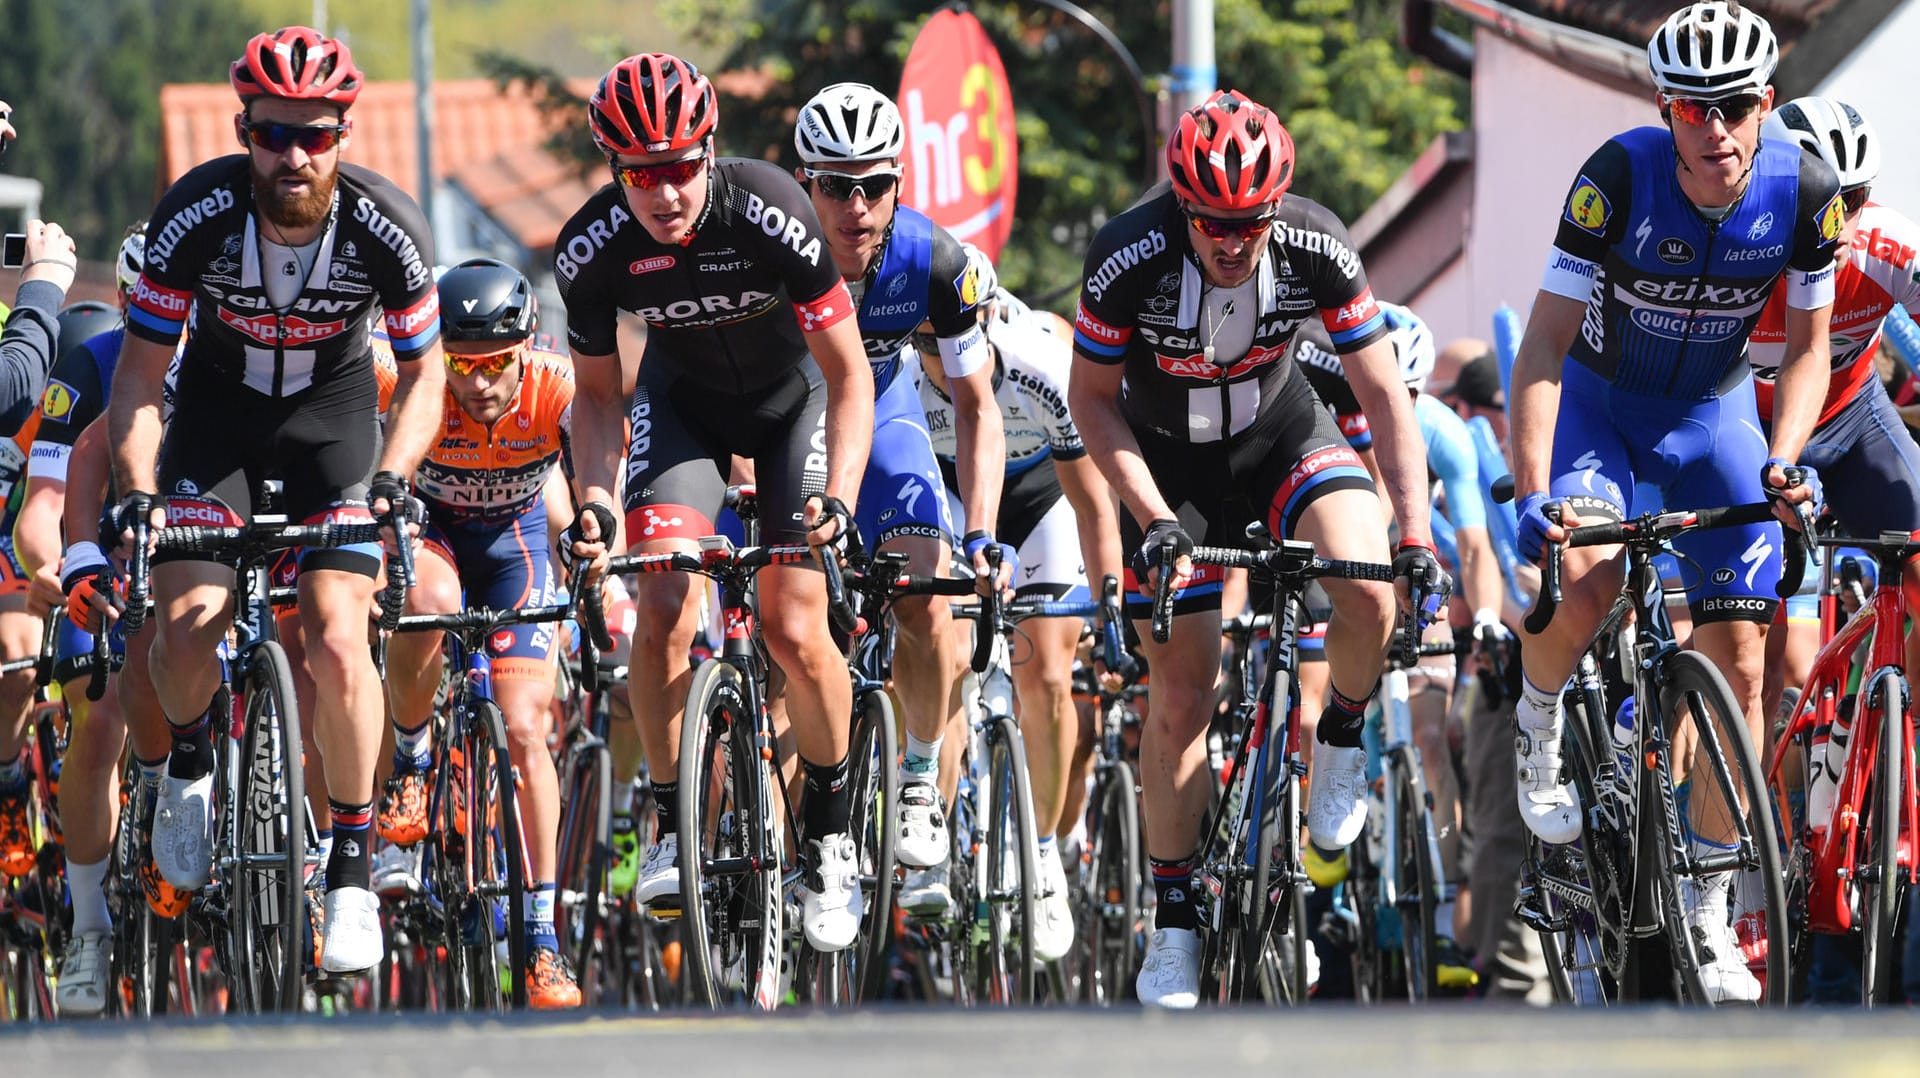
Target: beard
{"x": 294, "y": 211}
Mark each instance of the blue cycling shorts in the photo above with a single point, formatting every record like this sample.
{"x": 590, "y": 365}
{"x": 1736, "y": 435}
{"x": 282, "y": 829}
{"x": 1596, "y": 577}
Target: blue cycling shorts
{"x": 1869, "y": 465}
{"x": 902, "y": 490}
{"x": 73, "y": 650}
{"x": 1700, "y": 454}
{"x": 503, "y": 566}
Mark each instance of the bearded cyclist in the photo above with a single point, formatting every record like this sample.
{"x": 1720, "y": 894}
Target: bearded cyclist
{"x": 902, "y": 270}
{"x": 1183, "y": 396}
{"x": 281, "y": 254}
{"x": 750, "y": 351}
{"x": 1633, "y": 367}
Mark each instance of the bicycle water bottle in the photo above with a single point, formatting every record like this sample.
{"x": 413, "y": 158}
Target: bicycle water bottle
{"x": 1623, "y": 750}
{"x": 1824, "y": 760}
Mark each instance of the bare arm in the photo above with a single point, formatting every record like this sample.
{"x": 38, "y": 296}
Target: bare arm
{"x": 1480, "y": 582}
{"x": 133, "y": 413}
{"x": 1093, "y": 396}
{"x": 36, "y": 532}
{"x": 980, "y": 460}
{"x": 1536, "y": 388}
{"x": 598, "y": 419}
{"x": 1095, "y": 517}
{"x": 1401, "y": 454}
{"x": 413, "y": 420}
{"x": 843, "y": 361}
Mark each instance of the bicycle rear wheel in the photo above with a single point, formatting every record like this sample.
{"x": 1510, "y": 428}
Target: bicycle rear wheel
{"x": 1883, "y": 880}
{"x": 266, "y": 891}
{"x": 1723, "y": 756}
{"x": 1012, "y": 870}
{"x": 1110, "y": 894}
{"x": 730, "y": 893}
{"x": 874, "y": 779}
{"x": 585, "y": 845}
{"x": 1418, "y": 899}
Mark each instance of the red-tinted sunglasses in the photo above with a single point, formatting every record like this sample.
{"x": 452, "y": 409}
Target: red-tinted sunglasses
{"x": 647, "y": 177}
{"x": 1731, "y": 110}
{"x": 279, "y": 138}
{"x": 1854, "y": 199}
{"x": 1220, "y": 228}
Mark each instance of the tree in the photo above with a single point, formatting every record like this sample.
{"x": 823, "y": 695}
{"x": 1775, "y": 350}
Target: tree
{"x": 1359, "y": 107}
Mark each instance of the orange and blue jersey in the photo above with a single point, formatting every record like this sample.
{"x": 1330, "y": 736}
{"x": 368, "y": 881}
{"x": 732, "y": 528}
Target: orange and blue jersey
{"x": 492, "y": 473}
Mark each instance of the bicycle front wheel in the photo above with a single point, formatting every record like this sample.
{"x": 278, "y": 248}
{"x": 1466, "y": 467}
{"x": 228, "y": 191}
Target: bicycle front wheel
{"x": 1728, "y": 804}
{"x": 1884, "y": 880}
{"x": 267, "y": 885}
{"x": 729, "y": 858}
{"x": 1110, "y": 894}
{"x": 1012, "y": 870}
{"x": 585, "y": 845}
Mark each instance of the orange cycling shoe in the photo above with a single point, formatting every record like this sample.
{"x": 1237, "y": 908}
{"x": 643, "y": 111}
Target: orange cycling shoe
{"x": 16, "y": 837}
{"x": 163, "y": 898}
{"x": 550, "y": 982}
{"x": 403, "y": 808}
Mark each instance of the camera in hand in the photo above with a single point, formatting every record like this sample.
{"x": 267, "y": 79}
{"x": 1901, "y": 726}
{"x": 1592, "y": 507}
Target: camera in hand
{"x": 13, "y": 254}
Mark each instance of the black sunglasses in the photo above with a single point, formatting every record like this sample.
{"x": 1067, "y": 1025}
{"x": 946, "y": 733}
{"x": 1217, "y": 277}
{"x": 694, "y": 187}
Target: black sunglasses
{"x": 840, "y": 187}
{"x": 279, "y": 138}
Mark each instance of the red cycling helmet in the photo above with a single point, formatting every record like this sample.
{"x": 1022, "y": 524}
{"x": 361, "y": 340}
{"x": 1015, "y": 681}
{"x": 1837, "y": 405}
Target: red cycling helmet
{"x": 1230, "y": 154}
{"x": 299, "y": 63}
{"x": 651, "y": 103}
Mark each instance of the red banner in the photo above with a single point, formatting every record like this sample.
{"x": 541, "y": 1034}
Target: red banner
{"x": 962, "y": 157}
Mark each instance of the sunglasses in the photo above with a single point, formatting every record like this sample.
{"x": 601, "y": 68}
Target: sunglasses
{"x": 1854, "y": 198}
{"x": 673, "y": 173}
{"x": 841, "y": 187}
{"x": 279, "y": 138}
{"x": 490, "y": 365}
{"x": 1731, "y": 110}
{"x": 1221, "y": 228}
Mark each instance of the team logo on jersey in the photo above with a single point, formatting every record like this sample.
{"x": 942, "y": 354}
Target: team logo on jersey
{"x": 58, "y": 401}
{"x": 649, "y": 265}
{"x": 896, "y": 284}
{"x": 967, "y": 285}
{"x": 1832, "y": 219}
{"x": 1587, "y": 207}
{"x": 1761, "y": 226}
{"x": 1675, "y": 252}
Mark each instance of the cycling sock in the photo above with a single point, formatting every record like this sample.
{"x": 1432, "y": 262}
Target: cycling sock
{"x": 151, "y": 771}
{"x": 192, "y": 755}
{"x": 538, "y": 906}
{"x": 666, "y": 807}
{"x": 13, "y": 774}
{"x": 921, "y": 760}
{"x": 323, "y": 838}
{"x": 827, "y": 805}
{"x": 1173, "y": 884}
{"x": 350, "y": 863}
{"x": 1537, "y": 709}
{"x": 413, "y": 749}
{"x": 87, "y": 886}
{"x": 1343, "y": 719}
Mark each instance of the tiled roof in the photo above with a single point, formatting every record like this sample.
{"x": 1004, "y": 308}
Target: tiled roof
{"x": 486, "y": 138}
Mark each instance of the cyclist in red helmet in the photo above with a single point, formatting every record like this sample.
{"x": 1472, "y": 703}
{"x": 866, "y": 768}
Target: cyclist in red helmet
{"x": 281, "y": 254}
{"x": 750, "y": 352}
{"x": 1186, "y": 401}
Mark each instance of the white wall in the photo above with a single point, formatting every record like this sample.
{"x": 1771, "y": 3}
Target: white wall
{"x": 1870, "y": 80}
{"x": 1446, "y": 305}
{"x": 1534, "y": 125}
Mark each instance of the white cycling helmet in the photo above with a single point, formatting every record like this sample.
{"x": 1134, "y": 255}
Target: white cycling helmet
{"x": 1839, "y": 135}
{"x": 848, "y": 121}
{"x": 986, "y": 281}
{"x": 1713, "y": 49}
{"x": 1412, "y": 345}
{"x": 132, "y": 258}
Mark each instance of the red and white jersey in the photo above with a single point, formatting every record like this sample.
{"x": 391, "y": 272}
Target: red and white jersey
{"x": 1881, "y": 270}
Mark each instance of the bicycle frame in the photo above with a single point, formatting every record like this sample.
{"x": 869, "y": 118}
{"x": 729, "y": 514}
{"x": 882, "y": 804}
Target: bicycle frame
{"x": 1829, "y": 906}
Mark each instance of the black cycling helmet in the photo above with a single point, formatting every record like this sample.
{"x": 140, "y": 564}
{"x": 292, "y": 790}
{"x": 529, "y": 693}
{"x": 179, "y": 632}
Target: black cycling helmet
{"x": 82, "y": 319}
{"x": 483, "y": 299}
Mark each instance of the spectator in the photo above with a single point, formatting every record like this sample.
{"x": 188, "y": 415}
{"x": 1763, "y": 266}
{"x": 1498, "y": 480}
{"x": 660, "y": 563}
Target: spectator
{"x": 1476, "y": 389}
{"x": 27, "y": 346}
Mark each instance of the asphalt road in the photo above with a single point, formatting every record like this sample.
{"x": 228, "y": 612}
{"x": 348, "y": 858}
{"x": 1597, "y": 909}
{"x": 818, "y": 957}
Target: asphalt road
{"x": 918, "y": 1043}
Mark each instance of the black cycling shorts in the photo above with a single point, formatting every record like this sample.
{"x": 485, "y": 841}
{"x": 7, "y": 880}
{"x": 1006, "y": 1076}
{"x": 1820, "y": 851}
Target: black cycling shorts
{"x": 685, "y": 435}
{"x": 224, "y": 440}
{"x": 1292, "y": 456}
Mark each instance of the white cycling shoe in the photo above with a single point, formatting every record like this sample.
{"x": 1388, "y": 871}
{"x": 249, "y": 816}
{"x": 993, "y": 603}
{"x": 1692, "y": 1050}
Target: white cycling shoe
{"x": 830, "y": 904}
{"x": 1052, "y": 909}
{"x": 1338, "y": 808}
{"x": 924, "y": 892}
{"x": 182, "y": 846}
{"x": 660, "y": 874}
{"x": 86, "y": 972}
{"x": 350, "y": 942}
{"x": 1170, "y": 975}
{"x": 1547, "y": 802}
{"x": 923, "y": 826}
{"x": 1723, "y": 965}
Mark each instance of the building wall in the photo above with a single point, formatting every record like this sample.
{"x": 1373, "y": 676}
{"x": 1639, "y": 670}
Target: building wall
{"x": 1870, "y": 80}
{"x": 1534, "y": 125}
